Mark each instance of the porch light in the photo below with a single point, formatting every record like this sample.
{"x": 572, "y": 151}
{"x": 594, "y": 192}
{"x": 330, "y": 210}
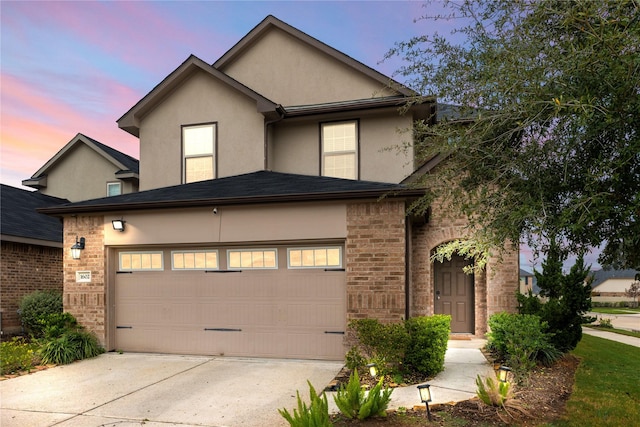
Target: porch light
{"x": 503, "y": 373}
{"x": 77, "y": 248}
{"x": 118, "y": 224}
{"x": 425, "y": 397}
{"x": 373, "y": 369}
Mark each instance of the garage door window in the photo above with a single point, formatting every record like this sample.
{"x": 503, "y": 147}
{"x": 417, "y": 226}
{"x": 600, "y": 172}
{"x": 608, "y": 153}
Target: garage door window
{"x": 325, "y": 257}
{"x": 141, "y": 261}
{"x": 194, "y": 260}
{"x": 252, "y": 258}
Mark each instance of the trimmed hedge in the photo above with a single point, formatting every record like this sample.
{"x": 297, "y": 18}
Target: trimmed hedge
{"x": 36, "y": 307}
{"x": 428, "y": 345}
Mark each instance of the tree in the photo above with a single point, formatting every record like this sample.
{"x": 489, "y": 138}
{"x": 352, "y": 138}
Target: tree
{"x": 567, "y": 298}
{"x": 542, "y": 137}
{"x": 634, "y": 291}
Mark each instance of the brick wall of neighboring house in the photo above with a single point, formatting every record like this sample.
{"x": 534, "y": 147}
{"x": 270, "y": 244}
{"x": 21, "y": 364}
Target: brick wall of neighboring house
{"x": 375, "y": 259}
{"x": 24, "y": 269}
{"x": 86, "y": 301}
{"x": 494, "y": 290}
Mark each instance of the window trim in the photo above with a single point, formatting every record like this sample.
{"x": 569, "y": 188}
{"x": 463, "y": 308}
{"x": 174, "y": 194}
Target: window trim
{"x": 120, "y": 268}
{"x": 307, "y": 267}
{"x": 194, "y": 251}
{"x": 229, "y": 267}
{"x": 356, "y": 123}
{"x": 110, "y": 183}
{"x": 214, "y": 154}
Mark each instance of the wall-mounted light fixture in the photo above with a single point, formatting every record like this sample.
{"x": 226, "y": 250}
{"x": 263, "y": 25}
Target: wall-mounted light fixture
{"x": 425, "y": 397}
{"x": 118, "y": 224}
{"x": 77, "y": 248}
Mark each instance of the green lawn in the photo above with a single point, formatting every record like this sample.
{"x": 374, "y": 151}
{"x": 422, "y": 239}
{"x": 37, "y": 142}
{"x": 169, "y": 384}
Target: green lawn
{"x": 607, "y": 387}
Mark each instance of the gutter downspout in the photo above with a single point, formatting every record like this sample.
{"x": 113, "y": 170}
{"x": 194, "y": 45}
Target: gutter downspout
{"x": 407, "y": 267}
{"x": 267, "y": 123}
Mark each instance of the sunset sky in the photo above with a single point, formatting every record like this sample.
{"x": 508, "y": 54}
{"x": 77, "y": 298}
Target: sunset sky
{"x": 77, "y": 66}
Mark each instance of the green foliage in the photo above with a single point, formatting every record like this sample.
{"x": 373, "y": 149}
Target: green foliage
{"x": 419, "y": 343}
{"x": 386, "y": 343}
{"x": 18, "y": 355}
{"x": 520, "y": 340}
{"x": 605, "y": 323}
{"x": 37, "y": 306}
{"x": 568, "y": 299}
{"x": 479, "y": 250}
{"x": 71, "y": 345}
{"x": 56, "y": 324}
{"x": 544, "y": 138}
{"x": 494, "y": 393}
{"x": 314, "y": 415}
{"x": 354, "y": 359}
{"x": 428, "y": 343}
{"x": 354, "y": 402}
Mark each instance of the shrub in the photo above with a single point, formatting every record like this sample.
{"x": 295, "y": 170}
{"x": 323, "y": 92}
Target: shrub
{"x": 519, "y": 340}
{"x": 354, "y": 359}
{"x": 17, "y": 355}
{"x": 494, "y": 393}
{"x": 429, "y": 336}
{"x": 354, "y": 402}
{"x": 37, "y": 306}
{"x": 314, "y": 415}
{"x": 71, "y": 345}
{"x": 605, "y": 323}
{"x": 386, "y": 343}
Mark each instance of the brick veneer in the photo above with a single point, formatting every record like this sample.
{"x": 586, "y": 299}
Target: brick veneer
{"x": 494, "y": 290}
{"x": 86, "y": 301}
{"x": 25, "y": 268}
{"x": 375, "y": 259}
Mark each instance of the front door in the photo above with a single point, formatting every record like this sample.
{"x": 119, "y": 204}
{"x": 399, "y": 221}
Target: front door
{"x": 454, "y": 294}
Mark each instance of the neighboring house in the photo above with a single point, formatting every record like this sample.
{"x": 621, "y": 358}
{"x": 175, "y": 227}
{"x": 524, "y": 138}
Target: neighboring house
{"x": 528, "y": 282}
{"x": 86, "y": 169}
{"x": 611, "y": 285}
{"x": 271, "y": 213}
{"x": 31, "y": 251}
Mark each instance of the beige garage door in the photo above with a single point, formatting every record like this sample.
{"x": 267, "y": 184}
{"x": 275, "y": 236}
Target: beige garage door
{"x": 272, "y": 312}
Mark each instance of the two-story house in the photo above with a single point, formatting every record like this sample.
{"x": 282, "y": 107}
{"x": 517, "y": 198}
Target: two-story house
{"x": 271, "y": 212}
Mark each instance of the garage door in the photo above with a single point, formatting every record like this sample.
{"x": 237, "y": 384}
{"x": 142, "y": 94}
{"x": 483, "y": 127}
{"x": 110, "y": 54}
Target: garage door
{"x": 259, "y": 302}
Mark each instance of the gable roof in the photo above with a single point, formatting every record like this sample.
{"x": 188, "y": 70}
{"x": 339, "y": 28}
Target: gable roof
{"x": 271, "y": 21}
{"x": 127, "y": 164}
{"x": 250, "y": 188}
{"x": 130, "y": 121}
{"x": 601, "y": 276}
{"x": 20, "y": 222}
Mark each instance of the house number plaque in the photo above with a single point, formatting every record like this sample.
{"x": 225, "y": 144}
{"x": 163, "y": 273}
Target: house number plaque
{"x": 83, "y": 277}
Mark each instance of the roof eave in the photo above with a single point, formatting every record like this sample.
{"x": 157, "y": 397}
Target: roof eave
{"x": 228, "y": 201}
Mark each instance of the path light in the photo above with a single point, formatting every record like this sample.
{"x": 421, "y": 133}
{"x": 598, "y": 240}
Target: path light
{"x": 373, "y": 369}
{"x": 503, "y": 373}
{"x": 425, "y": 396}
{"x": 76, "y": 249}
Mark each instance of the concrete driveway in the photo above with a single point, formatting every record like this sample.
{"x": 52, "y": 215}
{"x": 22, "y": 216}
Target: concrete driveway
{"x": 159, "y": 390}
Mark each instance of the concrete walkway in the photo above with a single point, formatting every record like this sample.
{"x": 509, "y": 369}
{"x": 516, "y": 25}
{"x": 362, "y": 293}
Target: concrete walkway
{"x": 612, "y": 336}
{"x": 463, "y": 363}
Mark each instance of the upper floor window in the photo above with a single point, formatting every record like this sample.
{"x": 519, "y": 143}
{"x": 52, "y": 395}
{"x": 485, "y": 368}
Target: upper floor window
{"x": 198, "y": 147}
{"x": 339, "y": 150}
{"x": 114, "y": 189}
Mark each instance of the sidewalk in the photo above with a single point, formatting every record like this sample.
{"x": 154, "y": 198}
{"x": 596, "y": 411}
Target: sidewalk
{"x": 612, "y": 336}
{"x": 462, "y": 363}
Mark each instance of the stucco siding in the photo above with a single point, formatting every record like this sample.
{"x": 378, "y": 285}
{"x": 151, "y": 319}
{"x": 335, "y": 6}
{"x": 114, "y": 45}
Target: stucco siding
{"x": 200, "y": 99}
{"x": 293, "y": 74}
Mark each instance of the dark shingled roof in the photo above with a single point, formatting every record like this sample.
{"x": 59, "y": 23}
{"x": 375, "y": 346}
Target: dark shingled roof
{"x": 601, "y": 276}
{"x": 131, "y": 163}
{"x": 255, "y": 187}
{"x": 19, "y": 217}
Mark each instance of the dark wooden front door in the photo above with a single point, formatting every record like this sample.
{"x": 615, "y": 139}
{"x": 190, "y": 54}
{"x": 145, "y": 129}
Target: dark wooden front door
{"x": 454, "y": 294}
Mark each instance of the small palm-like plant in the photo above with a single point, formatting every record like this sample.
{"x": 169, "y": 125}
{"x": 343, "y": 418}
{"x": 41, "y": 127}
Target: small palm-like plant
{"x": 314, "y": 415}
{"x": 354, "y": 402}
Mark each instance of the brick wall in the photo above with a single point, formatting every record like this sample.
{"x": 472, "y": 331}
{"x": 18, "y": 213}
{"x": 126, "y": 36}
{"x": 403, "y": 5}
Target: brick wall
{"x": 375, "y": 259}
{"x": 24, "y": 269}
{"x": 86, "y": 301}
{"x": 494, "y": 290}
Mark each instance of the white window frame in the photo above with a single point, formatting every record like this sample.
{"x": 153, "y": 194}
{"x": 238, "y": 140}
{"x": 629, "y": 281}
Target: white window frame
{"x": 250, "y": 250}
{"x": 205, "y": 251}
{"x": 313, "y": 248}
{"x": 355, "y": 151}
{"x": 199, "y": 155}
{"x": 121, "y": 268}
{"x": 113, "y": 184}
